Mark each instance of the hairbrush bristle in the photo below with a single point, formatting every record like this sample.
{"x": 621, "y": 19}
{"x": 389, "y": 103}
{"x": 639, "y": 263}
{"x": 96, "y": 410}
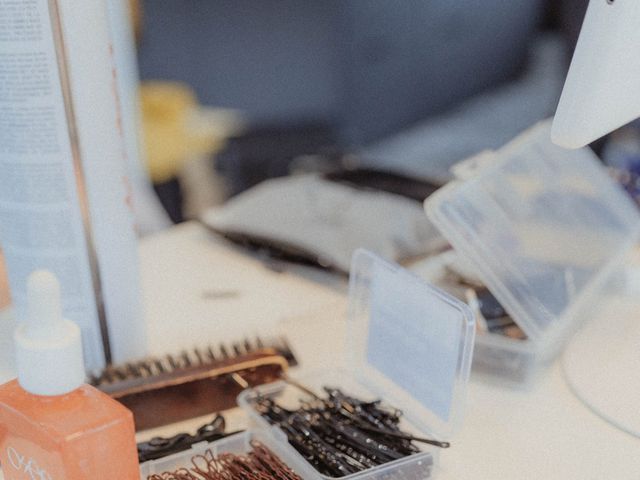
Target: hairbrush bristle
{"x": 198, "y": 356}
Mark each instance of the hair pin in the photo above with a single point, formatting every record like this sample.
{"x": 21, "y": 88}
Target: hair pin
{"x": 340, "y": 434}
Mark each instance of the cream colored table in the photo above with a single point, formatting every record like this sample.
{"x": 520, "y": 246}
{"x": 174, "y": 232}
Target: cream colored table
{"x": 542, "y": 434}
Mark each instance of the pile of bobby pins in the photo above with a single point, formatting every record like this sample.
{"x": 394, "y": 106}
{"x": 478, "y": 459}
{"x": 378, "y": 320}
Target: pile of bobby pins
{"x": 259, "y": 464}
{"x": 341, "y": 435}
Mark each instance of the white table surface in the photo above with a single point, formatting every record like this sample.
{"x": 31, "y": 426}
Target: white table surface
{"x": 543, "y": 433}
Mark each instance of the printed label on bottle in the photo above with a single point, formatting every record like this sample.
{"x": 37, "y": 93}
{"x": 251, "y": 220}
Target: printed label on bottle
{"x": 26, "y": 465}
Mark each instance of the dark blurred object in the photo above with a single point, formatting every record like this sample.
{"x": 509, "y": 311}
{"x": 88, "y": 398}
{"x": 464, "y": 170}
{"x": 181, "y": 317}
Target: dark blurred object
{"x": 622, "y": 149}
{"x": 567, "y": 16}
{"x": 367, "y": 68}
{"x": 366, "y": 178}
{"x": 161, "y": 391}
{"x": 630, "y": 181}
{"x": 621, "y": 153}
{"x": 276, "y": 254}
{"x": 137, "y": 18}
{"x": 160, "y": 447}
{"x": 267, "y": 152}
{"x": 170, "y": 195}
{"x": 489, "y": 305}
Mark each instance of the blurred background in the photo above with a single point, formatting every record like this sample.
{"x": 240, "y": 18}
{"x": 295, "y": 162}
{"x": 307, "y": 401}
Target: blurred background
{"x": 236, "y": 92}
{"x": 408, "y": 86}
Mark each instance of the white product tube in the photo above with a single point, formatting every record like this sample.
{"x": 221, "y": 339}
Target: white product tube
{"x": 63, "y": 187}
{"x": 150, "y": 215}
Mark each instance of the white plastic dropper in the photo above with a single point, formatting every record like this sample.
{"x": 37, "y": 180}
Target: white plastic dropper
{"x": 48, "y": 347}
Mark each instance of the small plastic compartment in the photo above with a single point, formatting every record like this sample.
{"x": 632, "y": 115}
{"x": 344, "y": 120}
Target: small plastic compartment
{"x": 511, "y": 360}
{"x": 410, "y": 345}
{"x": 239, "y": 443}
{"x": 544, "y": 229}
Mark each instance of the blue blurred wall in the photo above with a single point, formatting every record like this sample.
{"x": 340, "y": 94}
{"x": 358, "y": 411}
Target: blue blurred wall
{"x": 370, "y": 67}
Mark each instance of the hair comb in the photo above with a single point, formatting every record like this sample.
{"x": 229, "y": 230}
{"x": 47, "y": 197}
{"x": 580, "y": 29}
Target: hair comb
{"x": 164, "y": 390}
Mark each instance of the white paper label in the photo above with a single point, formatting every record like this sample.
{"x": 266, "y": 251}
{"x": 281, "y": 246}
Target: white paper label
{"x": 40, "y": 217}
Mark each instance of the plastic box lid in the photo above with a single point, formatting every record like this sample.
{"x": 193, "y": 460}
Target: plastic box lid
{"x": 409, "y": 342}
{"x": 543, "y": 226}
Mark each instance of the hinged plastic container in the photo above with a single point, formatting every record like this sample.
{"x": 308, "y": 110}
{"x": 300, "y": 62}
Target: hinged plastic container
{"x": 544, "y": 228}
{"x": 410, "y": 345}
{"x": 238, "y": 444}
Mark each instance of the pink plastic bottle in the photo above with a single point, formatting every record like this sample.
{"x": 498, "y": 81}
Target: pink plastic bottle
{"x": 52, "y": 427}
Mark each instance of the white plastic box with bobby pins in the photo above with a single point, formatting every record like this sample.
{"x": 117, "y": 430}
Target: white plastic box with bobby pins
{"x": 544, "y": 231}
{"x": 409, "y": 347}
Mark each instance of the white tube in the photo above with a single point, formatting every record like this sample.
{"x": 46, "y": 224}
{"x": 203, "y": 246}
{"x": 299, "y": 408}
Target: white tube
{"x": 149, "y": 213}
{"x": 63, "y": 184}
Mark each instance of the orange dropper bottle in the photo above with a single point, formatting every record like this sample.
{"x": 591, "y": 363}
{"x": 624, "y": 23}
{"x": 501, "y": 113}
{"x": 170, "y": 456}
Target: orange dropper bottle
{"x": 52, "y": 425}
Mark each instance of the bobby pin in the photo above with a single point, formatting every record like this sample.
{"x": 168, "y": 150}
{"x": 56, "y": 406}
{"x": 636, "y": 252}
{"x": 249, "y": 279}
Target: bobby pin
{"x": 259, "y": 463}
{"x": 340, "y": 434}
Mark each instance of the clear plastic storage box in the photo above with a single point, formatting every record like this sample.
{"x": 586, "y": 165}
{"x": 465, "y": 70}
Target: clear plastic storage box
{"x": 410, "y": 345}
{"x": 238, "y": 444}
{"x": 543, "y": 228}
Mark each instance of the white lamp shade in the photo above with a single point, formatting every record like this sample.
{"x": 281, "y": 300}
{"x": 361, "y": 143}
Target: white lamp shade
{"x": 602, "y": 91}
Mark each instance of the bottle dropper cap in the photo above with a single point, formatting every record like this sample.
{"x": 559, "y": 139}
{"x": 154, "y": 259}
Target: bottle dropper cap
{"x": 48, "y": 347}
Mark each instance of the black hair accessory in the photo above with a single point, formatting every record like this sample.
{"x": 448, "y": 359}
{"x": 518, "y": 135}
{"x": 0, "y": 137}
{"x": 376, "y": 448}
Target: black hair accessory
{"x": 160, "y": 447}
{"x": 340, "y": 434}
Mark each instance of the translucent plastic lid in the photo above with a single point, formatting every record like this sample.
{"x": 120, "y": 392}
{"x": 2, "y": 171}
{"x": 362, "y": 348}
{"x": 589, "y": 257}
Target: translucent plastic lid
{"x": 543, "y": 226}
{"x": 409, "y": 342}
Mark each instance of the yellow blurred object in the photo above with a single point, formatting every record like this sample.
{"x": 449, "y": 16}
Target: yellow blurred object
{"x": 172, "y": 131}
